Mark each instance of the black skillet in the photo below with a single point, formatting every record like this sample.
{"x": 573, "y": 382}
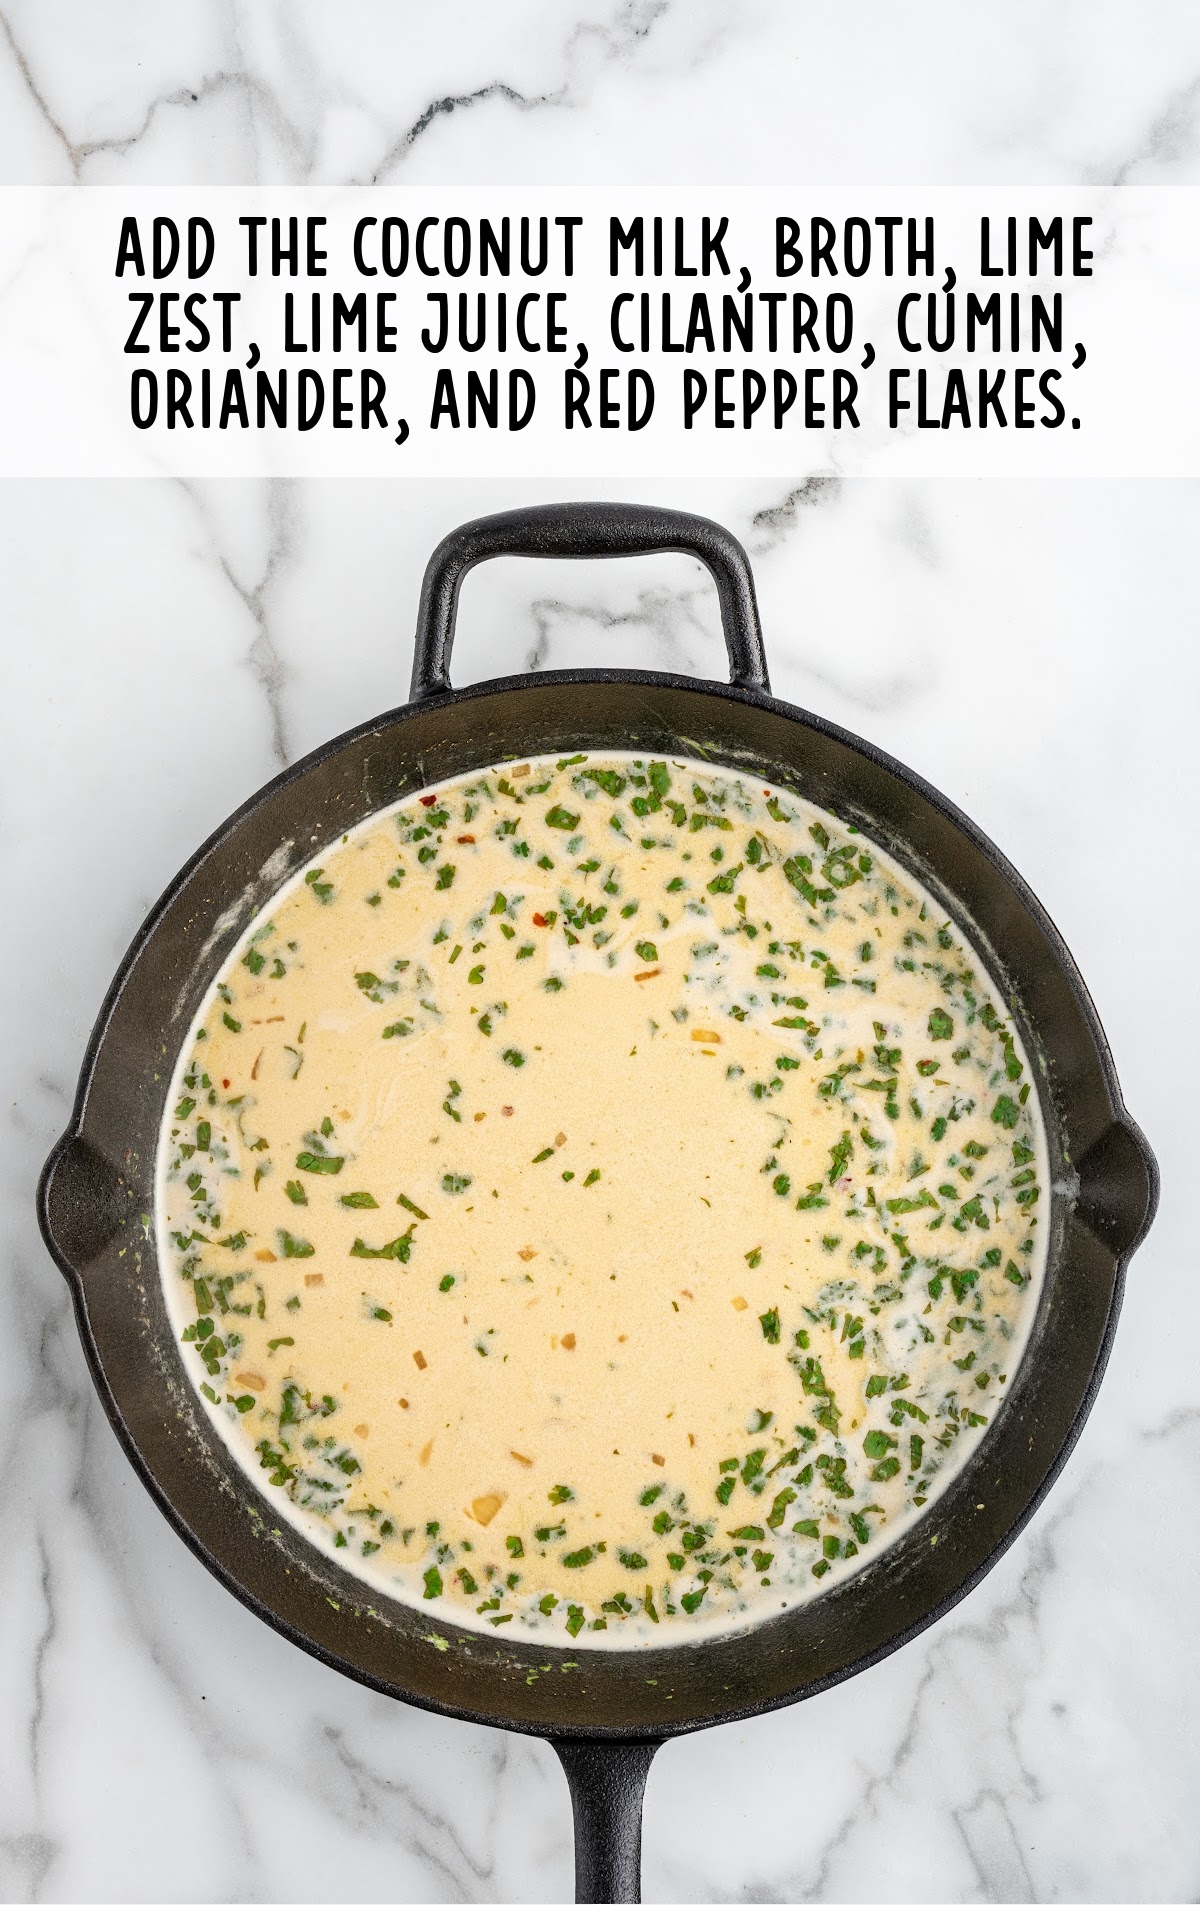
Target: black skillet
{"x": 605, "y": 1713}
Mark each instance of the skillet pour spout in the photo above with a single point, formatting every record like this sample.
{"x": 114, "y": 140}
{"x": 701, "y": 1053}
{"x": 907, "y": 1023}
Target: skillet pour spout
{"x": 608, "y": 1715}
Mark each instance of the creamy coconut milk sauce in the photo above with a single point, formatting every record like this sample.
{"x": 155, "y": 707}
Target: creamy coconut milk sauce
{"x": 601, "y": 1198}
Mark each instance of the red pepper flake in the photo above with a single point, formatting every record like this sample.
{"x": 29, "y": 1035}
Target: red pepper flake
{"x": 539, "y": 919}
{"x": 466, "y": 839}
{"x": 225, "y": 1083}
{"x": 428, "y": 800}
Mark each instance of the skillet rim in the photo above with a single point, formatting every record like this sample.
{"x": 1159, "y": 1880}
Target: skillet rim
{"x": 1055, "y": 947}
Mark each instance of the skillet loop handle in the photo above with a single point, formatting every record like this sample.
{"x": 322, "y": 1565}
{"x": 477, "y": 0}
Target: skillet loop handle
{"x": 578, "y": 530}
{"x": 607, "y": 1780}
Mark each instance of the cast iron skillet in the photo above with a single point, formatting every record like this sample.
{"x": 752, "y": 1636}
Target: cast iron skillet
{"x": 605, "y": 1713}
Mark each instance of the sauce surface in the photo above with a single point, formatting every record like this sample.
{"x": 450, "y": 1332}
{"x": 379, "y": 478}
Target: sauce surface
{"x": 601, "y": 1196}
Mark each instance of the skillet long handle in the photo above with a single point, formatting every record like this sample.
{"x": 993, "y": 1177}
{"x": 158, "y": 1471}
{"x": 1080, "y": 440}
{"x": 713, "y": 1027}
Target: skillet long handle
{"x": 607, "y": 1779}
{"x": 580, "y": 530}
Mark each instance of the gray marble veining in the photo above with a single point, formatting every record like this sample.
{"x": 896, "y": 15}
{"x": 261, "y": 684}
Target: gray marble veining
{"x": 162, "y": 1744}
{"x": 167, "y": 647}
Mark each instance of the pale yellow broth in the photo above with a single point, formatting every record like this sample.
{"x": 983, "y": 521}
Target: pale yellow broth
{"x": 602, "y": 1199}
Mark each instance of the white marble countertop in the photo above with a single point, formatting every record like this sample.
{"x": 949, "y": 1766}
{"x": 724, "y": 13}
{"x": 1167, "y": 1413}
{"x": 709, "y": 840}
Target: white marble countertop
{"x": 1030, "y": 647}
